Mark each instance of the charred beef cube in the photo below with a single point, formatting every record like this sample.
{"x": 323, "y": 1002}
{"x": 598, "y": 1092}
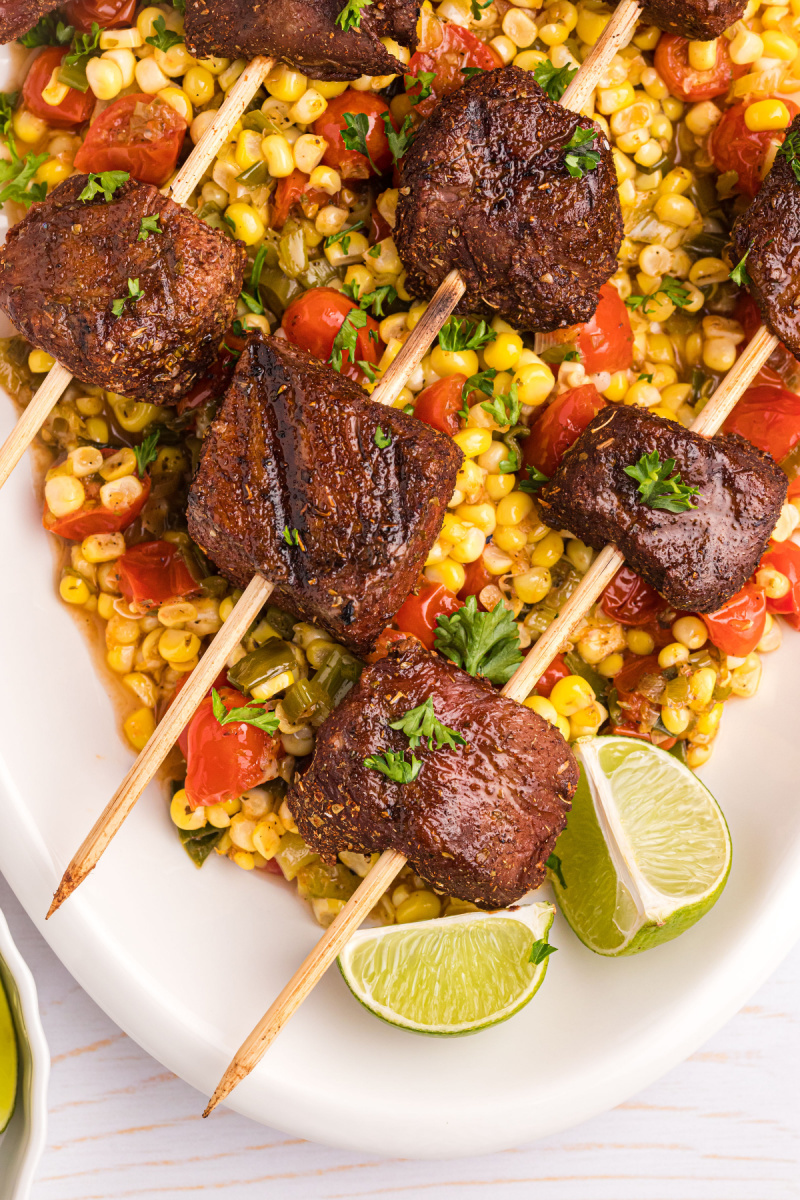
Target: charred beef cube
{"x": 479, "y": 821}
{"x": 701, "y": 20}
{"x": 66, "y": 263}
{"x": 485, "y": 188}
{"x": 18, "y": 16}
{"x": 768, "y": 232}
{"x": 304, "y": 33}
{"x": 293, "y": 484}
{"x": 697, "y": 559}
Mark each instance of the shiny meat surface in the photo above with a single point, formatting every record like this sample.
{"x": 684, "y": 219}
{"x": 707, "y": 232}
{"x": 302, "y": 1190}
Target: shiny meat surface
{"x": 701, "y": 20}
{"x": 484, "y": 188}
{"x": 18, "y": 16}
{"x": 293, "y": 449}
{"x": 67, "y": 261}
{"x": 769, "y": 233}
{"x": 479, "y": 821}
{"x": 696, "y": 559}
{"x": 304, "y": 33}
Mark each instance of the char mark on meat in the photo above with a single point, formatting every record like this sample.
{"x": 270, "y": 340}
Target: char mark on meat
{"x": 699, "y": 20}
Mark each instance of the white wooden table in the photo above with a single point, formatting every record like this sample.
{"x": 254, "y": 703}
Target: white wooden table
{"x": 723, "y": 1126}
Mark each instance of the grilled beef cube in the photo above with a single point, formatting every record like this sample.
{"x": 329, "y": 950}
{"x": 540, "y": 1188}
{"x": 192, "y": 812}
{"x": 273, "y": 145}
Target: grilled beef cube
{"x": 63, "y": 266}
{"x": 696, "y": 559}
{"x": 479, "y": 821}
{"x": 700, "y": 20}
{"x": 292, "y": 484}
{"x": 304, "y": 33}
{"x": 18, "y": 16}
{"x": 485, "y": 188}
{"x": 768, "y": 232}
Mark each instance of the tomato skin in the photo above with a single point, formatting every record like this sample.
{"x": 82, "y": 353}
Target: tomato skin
{"x": 458, "y": 48}
{"x": 476, "y": 578}
{"x": 438, "y": 403}
{"x": 672, "y": 63}
{"x": 558, "y": 669}
{"x": 738, "y": 626}
{"x": 76, "y": 107}
{"x": 769, "y": 417}
{"x": 349, "y": 163}
{"x": 734, "y": 147}
{"x": 108, "y": 14}
{"x": 313, "y": 320}
{"x": 629, "y": 600}
{"x": 559, "y": 426}
{"x": 118, "y": 140}
{"x": 785, "y": 557}
{"x": 292, "y": 190}
{"x": 92, "y": 516}
{"x": 152, "y": 573}
{"x": 418, "y": 614}
{"x": 223, "y": 761}
{"x": 606, "y": 342}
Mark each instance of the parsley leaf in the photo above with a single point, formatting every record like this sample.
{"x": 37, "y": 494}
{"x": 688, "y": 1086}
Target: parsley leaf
{"x": 134, "y": 293}
{"x": 790, "y": 150}
{"x": 48, "y": 31}
{"x": 534, "y": 481}
{"x": 180, "y": 5}
{"x": 292, "y": 537}
{"x": 514, "y": 460}
{"x": 354, "y": 135}
{"x": 672, "y": 288}
{"x": 554, "y": 80}
{"x": 350, "y": 16}
{"x": 425, "y": 80}
{"x": 17, "y": 175}
{"x": 482, "y": 643}
{"x": 398, "y": 142}
{"x": 739, "y": 273}
{"x": 504, "y": 409}
{"x": 658, "y": 491}
{"x": 106, "y": 182}
{"x": 163, "y": 39}
{"x": 343, "y": 237}
{"x": 645, "y": 379}
{"x": 540, "y": 951}
{"x": 346, "y": 341}
{"x": 382, "y": 440}
{"x": 553, "y": 863}
{"x": 482, "y": 382}
{"x": 8, "y": 102}
{"x": 471, "y": 72}
{"x": 395, "y": 766}
{"x": 577, "y": 160}
{"x": 253, "y": 713}
{"x": 369, "y": 371}
{"x": 462, "y": 333}
{"x": 477, "y": 8}
{"x": 146, "y": 452}
{"x": 252, "y": 298}
{"x": 149, "y": 225}
{"x": 73, "y": 67}
{"x": 421, "y": 722}
{"x": 375, "y": 299}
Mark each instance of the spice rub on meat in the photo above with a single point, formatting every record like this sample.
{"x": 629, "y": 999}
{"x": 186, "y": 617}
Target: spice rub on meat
{"x": 696, "y": 559}
{"x": 768, "y": 232}
{"x": 701, "y": 20}
{"x": 479, "y": 821}
{"x": 18, "y": 16}
{"x": 304, "y": 33}
{"x": 292, "y": 484}
{"x": 485, "y": 188}
{"x": 66, "y": 263}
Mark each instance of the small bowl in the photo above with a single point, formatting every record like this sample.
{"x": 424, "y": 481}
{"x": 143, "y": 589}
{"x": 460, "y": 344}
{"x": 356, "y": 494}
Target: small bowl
{"x": 22, "y": 1143}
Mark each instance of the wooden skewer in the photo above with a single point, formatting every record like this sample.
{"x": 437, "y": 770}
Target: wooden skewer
{"x": 32, "y": 419}
{"x": 616, "y": 35}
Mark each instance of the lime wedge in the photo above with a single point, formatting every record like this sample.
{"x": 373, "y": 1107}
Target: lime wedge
{"x": 451, "y": 976}
{"x": 8, "y": 1062}
{"x": 646, "y": 851}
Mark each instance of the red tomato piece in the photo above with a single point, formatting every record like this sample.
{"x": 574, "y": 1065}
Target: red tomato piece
{"x": 76, "y": 107}
{"x": 785, "y": 557}
{"x": 418, "y": 614}
{"x": 558, "y": 669}
{"x": 384, "y": 644}
{"x": 737, "y": 627}
{"x": 294, "y": 189}
{"x": 559, "y": 426}
{"x": 769, "y": 417}
{"x": 629, "y": 600}
{"x": 672, "y": 64}
{"x": 476, "y": 578}
{"x": 152, "y": 573}
{"x": 458, "y": 48}
{"x": 349, "y": 163}
{"x": 313, "y": 320}
{"x": 92, "y": 516}
{"x": 438, "y": 403}
{"x": 606, "y": 342}
{"x": 734, "y": 147}
{"x": 108, "y": 14}
{"x": 223, "y": 761}
{"x": 139, "y": 134}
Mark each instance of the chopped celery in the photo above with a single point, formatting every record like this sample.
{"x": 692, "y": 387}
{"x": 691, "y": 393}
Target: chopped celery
{"x": 273, "y": 659}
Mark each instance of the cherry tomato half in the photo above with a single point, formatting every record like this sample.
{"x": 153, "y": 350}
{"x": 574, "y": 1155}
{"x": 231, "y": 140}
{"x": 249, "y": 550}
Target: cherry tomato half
{"x": 738, "y": 626}
{"x": 438, "y": 403}
{"x": 93, "y": 516}
{"x": 139, "y": 134}
{"x": 606, "y": 342}
{"x": 418, "y": 614}
{"x": 152, "y": 573}
{"x": 769, "y": 417}
{"x": 294, "y": 189}
{"x": 558, "y": 669}
{"x": 683, "y": 81}
{"x": 76, "y": 107}
{"x": 631, "y": 601}
{"x": 349, "y": 163}
{"x": 313, "y": 320}
{"x": 785, "y": 557}
{"x": 734, "y": 147}
{"x": 223, "y": 761}
{"x": 559, "y": 426}
{"x": 108, "y": 14}
{"x": 457, "y": 49}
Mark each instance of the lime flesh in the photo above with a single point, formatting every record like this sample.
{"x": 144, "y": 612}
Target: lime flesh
{"x": 646, "y": 851}
{"x": 8, "y": 1062}
{"x": 450, "y": 976}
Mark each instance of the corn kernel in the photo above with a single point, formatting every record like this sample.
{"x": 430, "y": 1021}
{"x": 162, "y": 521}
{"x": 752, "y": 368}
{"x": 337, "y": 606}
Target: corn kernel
{"x": 73, "y": 589}
{"x": 571, "y": 694}
{"x": 533, "y": 585}
{"x": 514, "y": 508}
{"x": 779, "y": 45}
{"x": 454, "y": 362}
{"x": 473, "y": 442}
{"x": 690, "y": 632}
{"x": 449, "y": 573}
{"x": 611, "y": 665}
{"x": 139, "y": 727}
{"x": 178, "y": 646}
{"x": 535, "y": 382}
{"x": 247, "y": 224}
{"x": 183, "y": 815}
{"x": 548, "y": 551}
{"x": 639, "y": 642}
{"x": 673, "y": 654}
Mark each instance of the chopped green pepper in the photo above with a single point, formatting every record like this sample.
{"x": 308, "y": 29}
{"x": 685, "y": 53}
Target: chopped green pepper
{"x": 305, "y": 699}
{"x": 293, "y": 854}
{"x": 275, "y": 657}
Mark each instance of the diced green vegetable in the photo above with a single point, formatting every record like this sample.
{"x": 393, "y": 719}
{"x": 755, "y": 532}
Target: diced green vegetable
{"x": 275, "y": 657}
{"x": 304, "y": 699}
{"x": 292, "y": 252}
{"x": 278, "y": 291}
{"x": 293, "y": 854}
{"x": 323, "y": 881}
{"x": 340, "y": 671}
{"x": 198, "y": 843}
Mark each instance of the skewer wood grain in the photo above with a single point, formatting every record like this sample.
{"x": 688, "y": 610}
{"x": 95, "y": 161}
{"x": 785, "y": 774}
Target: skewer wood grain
{"x": 32, "y": 419}
{"x": 616, "y": 35}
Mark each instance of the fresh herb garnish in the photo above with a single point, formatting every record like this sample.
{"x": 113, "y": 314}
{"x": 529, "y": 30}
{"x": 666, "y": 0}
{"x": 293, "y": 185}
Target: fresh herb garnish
{"x": 354, "y": 135}
{"x": 374, "y": 252}
{"x": 482, "y": 643}
{"x": 368, "y": 369}
{"x": 553, "y": 863}
{"x": 513, "y": 463}
{"x": 48, "y": 31}
{"x": 149, "y": 225}
{"x": 350, "y": 16}
{"x": 343, "y": 237}
{"x": 375, "y": 299}
{"x": 462, "y": 333}
{"x": 790, "y": 150}
{"x": 382, "y": 440}
{"x": 578, "y": 158}
{"x": 421, "y": 722}
{"x": 477, "y": 8}
{"x": 482, "y": 382}
{"x": 645, "y": 379}
{"x": 253, "y": 713}
{"x": 180, "y": 5}
{"x": 398, "y": 141}
{"x": 540, "y": 951}
{"x": 106, "y": 182}
{"x": 134, "y": 293}
{"x": 739, "y": 273}
{"x": 671, "y": 288}
{"x": 8, "y": 102}
{"x": 554, "y": 80}
{"x": 84, "y": 46}
{"x": 534, "y": 481}
{"x": 425, "y": 80}
{"x": 656, "y": 489}
{"x": 504, "y": 408}
{"x": 146, "y": 452}
{"x": 470, "y": 72}
{"x": 163, "y": 39}
{"x": 395, "y": 766}
{"x": 292, "y": 537}
{"x": 251, "y": 297}
{"x": 17, "y": 175}
{"x": 346, "y": 341}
